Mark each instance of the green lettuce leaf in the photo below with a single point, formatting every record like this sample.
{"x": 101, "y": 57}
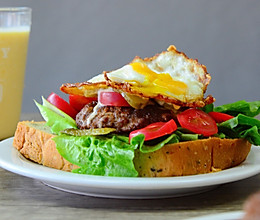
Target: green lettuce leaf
{"x": 139, "y": 141}
{"x": 186, "y": 136}
{"x": 147, "y": 147}
{"x": 240, "y": 107}
{"x": 252, "y": 135}
{"x": 242, "y": 126}
{"x": 56, "y": 119}
{"x": 96, "y": 155}
{"x": 208, "y": 108}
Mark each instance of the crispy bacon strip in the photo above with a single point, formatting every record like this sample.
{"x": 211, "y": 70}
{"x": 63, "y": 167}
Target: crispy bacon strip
{"x": 87, "y": 89}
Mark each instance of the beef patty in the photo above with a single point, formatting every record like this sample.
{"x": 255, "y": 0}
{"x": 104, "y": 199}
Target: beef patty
{"x": 124, "y": 119}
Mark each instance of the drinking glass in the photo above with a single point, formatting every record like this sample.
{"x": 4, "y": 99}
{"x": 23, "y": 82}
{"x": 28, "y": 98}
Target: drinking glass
{"x": 15, "y": 24}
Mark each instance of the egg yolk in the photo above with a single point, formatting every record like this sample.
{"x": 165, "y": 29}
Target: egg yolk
{"x": 160, "y": 83}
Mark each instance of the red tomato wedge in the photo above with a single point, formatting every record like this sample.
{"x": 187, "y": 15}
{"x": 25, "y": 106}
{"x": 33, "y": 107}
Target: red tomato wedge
{"x": 61, "y": 104}
{"x": 110, "y": 98}
{"x": 155, "y": 130}
{"x": 198, "y": 122}
{"x": 220, "y": 117}
{"x": 78, "y": 101}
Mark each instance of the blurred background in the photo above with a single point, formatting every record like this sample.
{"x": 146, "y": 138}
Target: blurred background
{"x": 71, "y": 41}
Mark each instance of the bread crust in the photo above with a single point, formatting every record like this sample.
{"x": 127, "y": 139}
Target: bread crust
{"x": 184, "y": 158}
{"x": 192, "y": 157}
{"x": 37, "y": 145}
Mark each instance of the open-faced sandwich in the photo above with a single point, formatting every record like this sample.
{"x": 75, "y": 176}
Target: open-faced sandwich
{"x": 149, "y": 119}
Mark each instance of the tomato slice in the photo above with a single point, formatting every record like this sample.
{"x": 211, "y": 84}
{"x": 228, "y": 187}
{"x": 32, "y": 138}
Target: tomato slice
{"x": 155, "y": 130}
{"x": 110, "y": 98}
{"x": 220, "y": 117}
{"x": 198, "y": 122}
{"x": 78, "y": 101}
{"x": 61, "y": 104}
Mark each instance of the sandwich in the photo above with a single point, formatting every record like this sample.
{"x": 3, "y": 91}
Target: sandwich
{"x": 149, "y": 118}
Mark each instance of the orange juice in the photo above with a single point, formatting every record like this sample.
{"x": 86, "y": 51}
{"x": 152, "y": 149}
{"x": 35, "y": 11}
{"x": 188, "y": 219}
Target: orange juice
{"x": 13, "y": 51}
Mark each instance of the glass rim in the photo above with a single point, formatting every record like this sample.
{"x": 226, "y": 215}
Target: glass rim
{"x": 15, "y": 9}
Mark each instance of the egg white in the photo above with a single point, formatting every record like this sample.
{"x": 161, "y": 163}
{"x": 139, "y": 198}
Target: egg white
{"x": 177, "y": 65}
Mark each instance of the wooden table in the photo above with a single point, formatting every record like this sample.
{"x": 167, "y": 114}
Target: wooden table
{"x": 25, "y": 198}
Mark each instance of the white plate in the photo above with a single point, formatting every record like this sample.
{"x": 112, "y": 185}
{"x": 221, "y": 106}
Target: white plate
{"x": 125, "y": 187}
{"x": 221, "y": 216}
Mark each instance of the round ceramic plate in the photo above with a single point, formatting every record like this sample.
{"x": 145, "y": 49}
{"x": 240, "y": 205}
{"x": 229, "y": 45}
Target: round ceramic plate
{"x": 221, "y": 216}
{"x": 125, "y": 187}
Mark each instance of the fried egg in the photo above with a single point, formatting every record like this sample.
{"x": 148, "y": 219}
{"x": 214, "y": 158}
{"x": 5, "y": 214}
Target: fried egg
{"x": 169, "y": 76}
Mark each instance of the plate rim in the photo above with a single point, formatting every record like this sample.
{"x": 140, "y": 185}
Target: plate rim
{"x": 246, "y": 169}
{"x": 230, "y": 215}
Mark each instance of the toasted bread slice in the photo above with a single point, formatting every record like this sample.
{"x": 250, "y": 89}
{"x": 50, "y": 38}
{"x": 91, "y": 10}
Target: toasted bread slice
{"x": 192, "y": 157}
{"x": 34, "y": 141}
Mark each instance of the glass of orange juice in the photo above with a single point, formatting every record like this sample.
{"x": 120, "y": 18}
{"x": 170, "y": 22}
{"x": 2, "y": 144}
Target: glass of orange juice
{"x": 15, "y": 26}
